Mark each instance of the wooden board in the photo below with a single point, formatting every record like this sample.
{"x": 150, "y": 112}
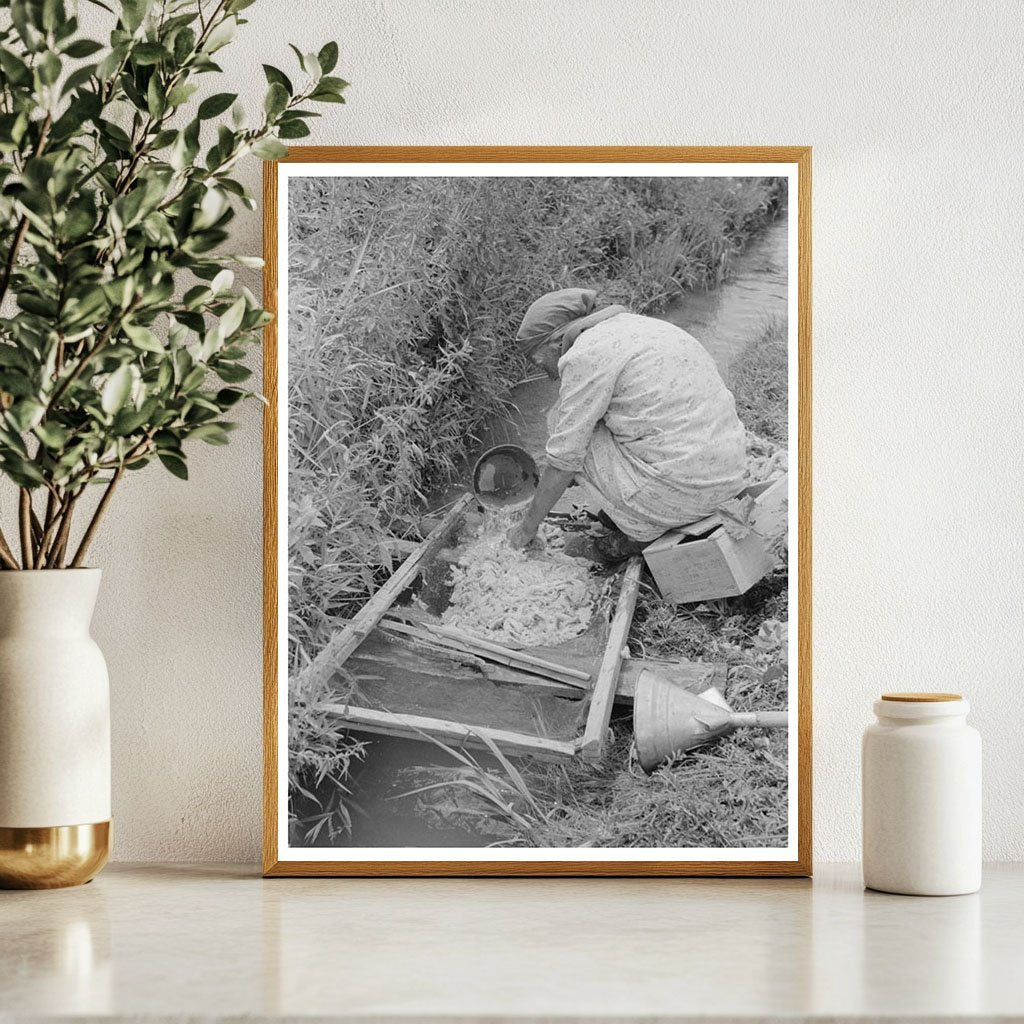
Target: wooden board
{"x": 695, "y": 676}
{"x": 596, "y": 730}
{"x": 343, "y": 643}
{"x": 420, "y": 727}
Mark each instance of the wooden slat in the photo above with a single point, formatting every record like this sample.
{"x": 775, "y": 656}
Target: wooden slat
{"x": 344, "y": 642}
{"x": 604, "y": 687}
{"x": 695, "y": 676}
{"x": 414, "y": 726}
{"x": 495, "y": 673}
{"x": 508, "y": 652}
{"x": 491, "y": 652}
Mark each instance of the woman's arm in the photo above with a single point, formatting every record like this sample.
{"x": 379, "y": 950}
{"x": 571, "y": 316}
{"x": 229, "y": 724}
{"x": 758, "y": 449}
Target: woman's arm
{"x": 553, "y": 483}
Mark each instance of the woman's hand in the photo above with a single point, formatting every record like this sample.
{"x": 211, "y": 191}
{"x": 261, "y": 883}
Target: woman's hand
{"x": 521, "y": 535}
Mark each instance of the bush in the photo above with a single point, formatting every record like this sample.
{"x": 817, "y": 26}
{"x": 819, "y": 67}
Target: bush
{"x": 759, "y": 382}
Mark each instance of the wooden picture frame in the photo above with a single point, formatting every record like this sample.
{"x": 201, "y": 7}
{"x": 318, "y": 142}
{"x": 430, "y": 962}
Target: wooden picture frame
{"x": 795, "y": 161}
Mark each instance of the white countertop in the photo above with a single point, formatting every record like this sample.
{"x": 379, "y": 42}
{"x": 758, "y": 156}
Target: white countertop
{"x": 216, "y": 941}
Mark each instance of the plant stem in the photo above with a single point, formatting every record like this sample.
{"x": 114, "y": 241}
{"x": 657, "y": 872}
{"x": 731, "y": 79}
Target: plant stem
{"x": 6, "y": 554}
{"x": 60, "y": 544}
{"x": 37, "y": 530}
{"x": 54, "y": 509}
{"x": 94, "y": 523}
{"x": 51, "y": 509}
{"x": 20, "y": 231}
{"x": 25, "y": 523}
{"x": 12, "y": 255}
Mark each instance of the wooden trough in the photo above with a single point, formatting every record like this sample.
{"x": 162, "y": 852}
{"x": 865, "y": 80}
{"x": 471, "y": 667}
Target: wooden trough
{"x": 441, "y": 684}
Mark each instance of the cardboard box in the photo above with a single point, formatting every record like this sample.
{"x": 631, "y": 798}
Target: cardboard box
{"x": 701, "y": 562}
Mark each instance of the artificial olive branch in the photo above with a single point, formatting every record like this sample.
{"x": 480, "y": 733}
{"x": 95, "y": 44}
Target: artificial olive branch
{"x": 124, "y": 308}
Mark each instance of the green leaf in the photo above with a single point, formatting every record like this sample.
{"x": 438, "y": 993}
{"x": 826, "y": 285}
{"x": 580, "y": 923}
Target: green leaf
{"x": 216, "y": 104}
{"x": 310, "y": 65}
{"x": 276, "y": 99}
{"x": 211, "y": 433}
{"x": 232, "y": 373}
{"x": 129, "y": 207}
{"x": 109, "y": 65}
{"x": 184, "y": 44}
{"x": 120, "y": 291}
{"x": 53, "y": 435}
{"x": 16, "y": 70}
{"x": 128, "y": 421}
{"x": 175, "y": 465}
{"x": 116, "y": 390}
{"x": 149, "y": 53}
{"x": 269, "y": 149}
{"x": 25, "y": 16}
{"x": 156, "y": 100}
{"x": 82, "y": 48}
{"x": 49, "y": 68}
{"x": 275, "y": 76}
{"x": 328, "y": 57}
{"x": 25, "y": 414}
{"x": 21, "y": 471}
{"x": 143, "y": 338}
{"x": 227, "y": 397}
{"x": 221, "y": 35}
{"x": 325, "y": 96}
{"x": 193, "y": 379}
{"x": 36, "y": 304}
{"x": 78, "y": 78}
{"x": 293, "y": 130}
{"x": 133, "y": 12}
{"x": 334, "y": 84}
{"x": 181, "y": 94}
{"x": 232, "y": 319}
{"x": 211, "y": 208}
{"x": 162, "y": 139}
{"x": 222, "y": 281}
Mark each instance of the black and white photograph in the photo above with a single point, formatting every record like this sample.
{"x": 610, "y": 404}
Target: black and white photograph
{"x": 537, "y": 493}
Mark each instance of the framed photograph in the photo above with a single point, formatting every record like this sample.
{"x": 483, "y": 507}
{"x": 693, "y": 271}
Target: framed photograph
{"x": 538, "y": 511}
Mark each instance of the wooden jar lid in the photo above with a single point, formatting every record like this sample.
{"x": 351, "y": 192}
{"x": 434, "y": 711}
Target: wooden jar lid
{"x": 921, "y": 698}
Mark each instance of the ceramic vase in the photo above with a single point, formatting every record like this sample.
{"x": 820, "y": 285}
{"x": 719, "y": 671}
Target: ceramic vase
{"x": 54, "y": 731}
{"x": 921, "y": 776}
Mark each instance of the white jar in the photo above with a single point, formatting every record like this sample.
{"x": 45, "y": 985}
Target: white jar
{"x": 921, "y": 778}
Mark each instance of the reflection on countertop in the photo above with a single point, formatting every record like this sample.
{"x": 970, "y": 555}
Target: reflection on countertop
{"x": 181, "y": 941}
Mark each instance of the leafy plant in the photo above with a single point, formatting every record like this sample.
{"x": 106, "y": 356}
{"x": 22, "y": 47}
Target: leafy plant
{"x": 124, "y": 334}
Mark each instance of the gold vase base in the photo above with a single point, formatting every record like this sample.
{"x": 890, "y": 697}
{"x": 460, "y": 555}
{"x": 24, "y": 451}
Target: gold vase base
{"x": 53, "y": 857}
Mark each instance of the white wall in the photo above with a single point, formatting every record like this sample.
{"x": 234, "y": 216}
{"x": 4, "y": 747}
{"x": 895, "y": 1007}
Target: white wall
{"x": 913, "y": 110}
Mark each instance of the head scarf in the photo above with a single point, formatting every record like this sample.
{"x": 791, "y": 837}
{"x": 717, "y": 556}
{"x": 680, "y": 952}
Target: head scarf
{"x": 561, "y": 316}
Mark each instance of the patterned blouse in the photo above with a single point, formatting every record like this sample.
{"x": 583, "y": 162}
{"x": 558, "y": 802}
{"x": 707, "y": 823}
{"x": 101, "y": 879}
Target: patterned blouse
{"x": 644, "y": 419}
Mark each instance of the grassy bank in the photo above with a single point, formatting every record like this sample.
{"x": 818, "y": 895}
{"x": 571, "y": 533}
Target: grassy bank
{"x": 404, "y": 295}
{"x": 759, "y": 382}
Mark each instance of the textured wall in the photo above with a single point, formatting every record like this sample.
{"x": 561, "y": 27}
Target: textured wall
{"x": 913, "y": 110}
